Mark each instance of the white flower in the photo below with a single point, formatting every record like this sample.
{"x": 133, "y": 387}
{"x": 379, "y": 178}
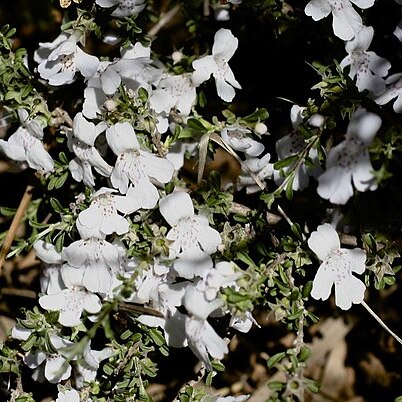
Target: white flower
{"x": 68, "y": 395}
{"x": 125, "y": 8}
{"x": 91, "y": 263}
{"x": 260, "y": 167}
{"x": 192, "y": 239}
{"x": 176, "y": 91}
{"x": 225, "y": 44}
{"x": 53, "y": 364}
{"x": 134, "y": 69}
{"x": 136, "y": 166}
{"x": 239, "y": 139}
{"x": 71, "y": 303}
{"x": 292, "y": 144}
{"x": 224, "y": 275}
{"x": 102, "y": 218}
{"x": 26, "y": 144}
{"x": 86, "y": 368}
{"x": 336, "y": 268}
{"x": 346, "y": 21}
{"x": 243, "y": 324}
{"x": 350, "y": 160}
{"x": 61, "y": 59}
{"x": 368, "y": 68}
{"x": 202, "y": 338}
{"x": 87, "y": 157}
{"x": 393, "y": 90}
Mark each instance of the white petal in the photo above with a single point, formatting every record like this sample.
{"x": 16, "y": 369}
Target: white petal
{"x": 335, "y": 185}
{"x": 158, "y": 168}
{"x": 225, "y": 91}
{"x": 349, "y": 291}
{"x": 363, "y": 3}
{"x": 346, "y": 22}
{"x": 33, "y": 360}
{"x": 121, "y": 137}
{"x": 110, "y": 81}
{"x": 57, "y": 369}
{"x": 225, "y": 45}
{"x": 317, "y": 9}
{"x": 86, "y": 64}
{"x": 47, "y": 252}
{"x": 92, "y": 303}
{"x": 84, "y": 130}
{"x": 208, "y": 237}
{"x": 356, "y": 258}
{"x": 323, "y": 281}
{"x": 175, "y": 206}
{"x": 364, "y": 125}
{"x": 363, "y": 177}
{"x": 323, "y": 241}
{"x": 216, "y": 346}
{"x": 193, "y": 262}
{"x": 145, "y": 194}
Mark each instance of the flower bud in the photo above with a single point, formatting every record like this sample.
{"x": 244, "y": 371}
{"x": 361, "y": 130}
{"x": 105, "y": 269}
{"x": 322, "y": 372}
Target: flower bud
{"x": 316, "y": 120}
{"x": 110, "y": 105}
{"x": 260, "y": 128}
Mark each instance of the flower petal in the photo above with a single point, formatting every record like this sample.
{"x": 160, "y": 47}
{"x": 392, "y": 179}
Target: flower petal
{"x": 349, "y": 291}
{"x": 323, "y": 241}
{"x": 176, "y": 206}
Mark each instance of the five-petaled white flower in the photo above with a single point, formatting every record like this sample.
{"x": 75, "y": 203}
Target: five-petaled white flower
{"x": 71, "y": 303}
{"x": 61, "y": 59}
{"x": 101, "y": 217}
{"x": 260, "y": 168}
{"x": 346, "y": 21}
{"x": 239, "y": 139}
{"x": 336, "y": 268}
{"x": 53, "y": 364}
{"x": 136, "y": 166}
{"x": 175, "y": 91}
{"x": 90, "y": 263}
{"x": 26, "y": 144}
{"x": 223, "y": 49}
{"x": 350, "y": 160}
{"x": 192, "y": 239}
{"x": 368, "y": 68}
{"x": 393, "y": 90}
{"x": 202, "y": 338}
{"x": 292, "y": 144}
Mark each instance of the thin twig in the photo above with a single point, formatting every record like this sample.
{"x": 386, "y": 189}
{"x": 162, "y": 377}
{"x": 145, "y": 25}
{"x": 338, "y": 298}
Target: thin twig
{"x": 381, "y": 322}
{"x": 165, "y": 19}
{"x": 25, "y": 200}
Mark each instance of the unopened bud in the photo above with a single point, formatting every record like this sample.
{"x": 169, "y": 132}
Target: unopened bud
{"x": 316, "y": 120}
{"x": 177, "y": 56}
{"x": 260, "y": 129}
{"x": 110, "y": 105}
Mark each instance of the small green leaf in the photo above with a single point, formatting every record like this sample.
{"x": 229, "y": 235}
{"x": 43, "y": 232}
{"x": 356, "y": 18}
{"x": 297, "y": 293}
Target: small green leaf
{"x": 285, "y": 162}
{"x": 56, "y": 205}
{"x": 273, "y": 360}
{"x": 275, "y": 385}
